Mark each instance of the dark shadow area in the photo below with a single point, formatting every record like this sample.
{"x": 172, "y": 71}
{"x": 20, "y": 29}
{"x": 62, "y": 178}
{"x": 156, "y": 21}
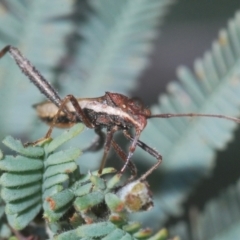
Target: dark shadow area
{"x": 185, "y": 34}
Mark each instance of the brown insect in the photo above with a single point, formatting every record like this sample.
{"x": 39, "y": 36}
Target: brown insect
{"x": 113, "y": 111}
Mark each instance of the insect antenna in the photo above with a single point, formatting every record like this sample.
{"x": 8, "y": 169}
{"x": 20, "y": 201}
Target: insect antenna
{"x": 172, "y": 115}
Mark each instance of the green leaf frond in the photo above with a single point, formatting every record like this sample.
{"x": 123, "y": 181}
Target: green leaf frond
{"x": 188, "y": 145}
{"x": 219, "y": 219}
{"x": 77, "y": 205}
{"x": 103, "y": 209}
{"x": 117, "y": 39}
{"x": 109, "y": 231}
{"x": 34, "y": 175}
{"x": 5, "y": 231}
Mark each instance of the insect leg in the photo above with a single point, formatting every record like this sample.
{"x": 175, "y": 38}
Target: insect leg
{"x": 123, "y": 156}
{"x": 33, "y": 74}
{"x": 131, "y": 149}
{"x": 148, "y": 149}
{"x": 79, "y": 113}
{"x": 107, "y": 146}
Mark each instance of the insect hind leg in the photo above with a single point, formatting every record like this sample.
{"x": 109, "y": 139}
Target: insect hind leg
{"x": 107, "y": 147}
{"x": 33, "y": 74}
{"x": 148, "y": 149}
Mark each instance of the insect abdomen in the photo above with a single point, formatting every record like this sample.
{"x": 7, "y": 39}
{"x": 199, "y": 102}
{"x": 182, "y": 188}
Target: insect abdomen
{"x": 47, "y": 111}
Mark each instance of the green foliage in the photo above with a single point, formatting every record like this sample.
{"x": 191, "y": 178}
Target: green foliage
{"x": 85, "y": 48}
{"x": 27, "y": 181}
{"x": 226, "y": 204}
{"x": 107, "y": 231}
{"x": 114, "y": 38}
{"x": 214, "y": 85}
{"x": 39, "y": 178}
{"x": 219, "y": 219}
{"x": 5, "y": 231}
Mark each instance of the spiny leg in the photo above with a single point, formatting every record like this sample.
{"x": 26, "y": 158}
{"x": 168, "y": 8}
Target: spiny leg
{"x": 107, "y": 146}
{"x": 148, "y": 149}
{"x": 110, "y": 142}
{"x": 131, "y": 149}
{"x": 123, "y": 156}
{"x": 45, "y": 87}
{"x": 33, "y": 74}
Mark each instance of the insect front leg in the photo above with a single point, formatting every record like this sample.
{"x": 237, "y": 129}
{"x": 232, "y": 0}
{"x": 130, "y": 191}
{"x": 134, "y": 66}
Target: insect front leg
{"x": 79, "y": 113}
{"x": 148, "y": 149}
{"x": 110, "y": 142}
{"x": 132, "y": 149}
{"x": 123, "y": 156}
{"x": 107, "y": 146}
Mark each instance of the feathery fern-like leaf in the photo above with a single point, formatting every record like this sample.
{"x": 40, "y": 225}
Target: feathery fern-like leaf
{"x": 109, "y": 231}
{"x": 36, "y": 180}
{"x": 188, "y": 146}
{"x": 99, "y": 191}
{"x": 219, "y": 219}
{"x": 27, "y": 181}
{"x": 5, "y": 231}
{"x": 221, "y": 216}
{"x": 117, "y": 38}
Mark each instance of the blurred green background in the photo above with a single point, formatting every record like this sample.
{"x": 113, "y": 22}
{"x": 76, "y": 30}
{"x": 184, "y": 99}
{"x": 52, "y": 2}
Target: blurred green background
{"x": 134, "y": 47}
